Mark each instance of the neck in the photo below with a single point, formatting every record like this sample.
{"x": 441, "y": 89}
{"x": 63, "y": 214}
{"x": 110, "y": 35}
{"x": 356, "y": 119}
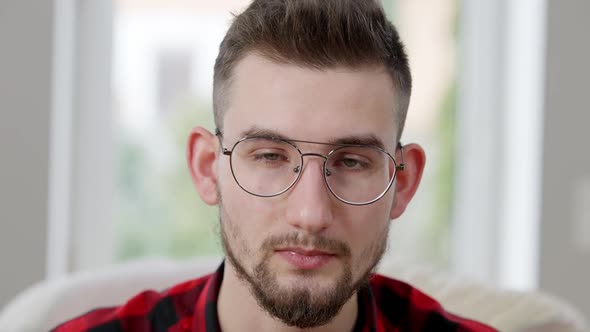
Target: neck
{"x": 238, "y": 310}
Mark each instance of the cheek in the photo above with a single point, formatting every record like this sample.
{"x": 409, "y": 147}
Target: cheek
{"x": 246, "y": 217}
{"x": 367, "y": 228}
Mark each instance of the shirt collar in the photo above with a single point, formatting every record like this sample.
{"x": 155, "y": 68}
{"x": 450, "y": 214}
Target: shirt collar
{"x": 366, "y": 320}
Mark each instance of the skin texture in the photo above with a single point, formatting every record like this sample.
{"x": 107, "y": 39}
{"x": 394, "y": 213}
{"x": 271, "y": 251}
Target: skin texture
{"x": 302, "y": 104}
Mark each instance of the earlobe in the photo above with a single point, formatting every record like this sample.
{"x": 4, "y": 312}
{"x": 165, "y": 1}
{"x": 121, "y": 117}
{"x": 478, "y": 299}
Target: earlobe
{"x": 408, "y": 180}
{"x": 202, "y": 150}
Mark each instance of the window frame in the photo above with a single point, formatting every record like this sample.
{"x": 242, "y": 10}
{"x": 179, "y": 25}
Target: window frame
{"x": 81, "y": 139}
{"x": 500, "y": 114}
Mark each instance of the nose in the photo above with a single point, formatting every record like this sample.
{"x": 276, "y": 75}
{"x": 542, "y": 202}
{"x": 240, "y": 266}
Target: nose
{"x": 309, "y": 205}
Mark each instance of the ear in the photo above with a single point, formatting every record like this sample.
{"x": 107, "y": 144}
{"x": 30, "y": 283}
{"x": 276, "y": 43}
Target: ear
{"x": 202, "y": 152}
{"x": 408, "y": 179}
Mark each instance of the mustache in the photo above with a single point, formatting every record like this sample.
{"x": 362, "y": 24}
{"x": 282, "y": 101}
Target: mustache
{"x": 295, "y": 239}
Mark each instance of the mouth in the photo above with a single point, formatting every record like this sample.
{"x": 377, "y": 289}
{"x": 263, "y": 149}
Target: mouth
{"x": 305, "y": 259}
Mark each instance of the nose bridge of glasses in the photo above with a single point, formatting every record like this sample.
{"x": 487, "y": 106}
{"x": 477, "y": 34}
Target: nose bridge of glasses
{"x": 310, "y": 154}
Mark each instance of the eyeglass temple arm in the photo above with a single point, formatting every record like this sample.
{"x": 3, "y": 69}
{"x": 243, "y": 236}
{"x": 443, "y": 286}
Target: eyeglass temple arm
{"x": 402, "y": 165}
{"x": 219, "y": 135}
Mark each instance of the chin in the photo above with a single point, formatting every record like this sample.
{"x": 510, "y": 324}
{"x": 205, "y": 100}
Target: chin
{"x": 303, "y": 280}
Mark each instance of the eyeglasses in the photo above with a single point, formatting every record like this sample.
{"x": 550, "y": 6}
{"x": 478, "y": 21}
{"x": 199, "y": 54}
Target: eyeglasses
{"x": 354, "y": 174}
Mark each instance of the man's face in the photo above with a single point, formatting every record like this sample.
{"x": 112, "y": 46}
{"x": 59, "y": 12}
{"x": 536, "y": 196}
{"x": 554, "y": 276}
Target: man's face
{"x": 304, "y": 253}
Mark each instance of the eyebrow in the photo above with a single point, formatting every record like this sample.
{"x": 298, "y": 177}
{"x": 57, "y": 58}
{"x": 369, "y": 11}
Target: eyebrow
{"x": 364, "y": 140}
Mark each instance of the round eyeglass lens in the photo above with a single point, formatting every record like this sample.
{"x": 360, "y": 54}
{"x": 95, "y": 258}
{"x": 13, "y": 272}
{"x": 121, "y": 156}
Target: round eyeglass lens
{"x": 265, "y": 167}
{"x": 359, "y": 175}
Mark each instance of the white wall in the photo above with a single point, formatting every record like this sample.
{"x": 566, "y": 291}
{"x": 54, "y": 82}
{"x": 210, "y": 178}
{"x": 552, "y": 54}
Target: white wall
{"x": 565, "y": 228}
{"x": 25, "y": 103}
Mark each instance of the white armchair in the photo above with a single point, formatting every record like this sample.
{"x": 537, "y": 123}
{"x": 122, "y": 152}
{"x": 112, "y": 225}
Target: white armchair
{"x": 49, "y": 303}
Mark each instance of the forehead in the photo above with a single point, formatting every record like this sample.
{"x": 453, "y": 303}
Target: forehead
{"x": 310, "y": 104}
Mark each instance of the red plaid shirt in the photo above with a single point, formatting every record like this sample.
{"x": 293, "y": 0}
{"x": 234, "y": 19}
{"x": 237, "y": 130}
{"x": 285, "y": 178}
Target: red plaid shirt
{"x": 386, "y": 305}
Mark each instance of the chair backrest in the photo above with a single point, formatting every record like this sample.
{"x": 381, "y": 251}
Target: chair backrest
{"x": 49, "y": 303}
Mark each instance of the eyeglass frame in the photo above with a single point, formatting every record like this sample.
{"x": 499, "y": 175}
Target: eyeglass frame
{"x": 338, "y": 146}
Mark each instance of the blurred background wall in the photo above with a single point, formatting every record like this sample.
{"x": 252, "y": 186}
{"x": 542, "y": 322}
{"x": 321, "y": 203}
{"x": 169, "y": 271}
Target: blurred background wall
{"x": 26, "y": 44}
{"x": 565, "y": 213}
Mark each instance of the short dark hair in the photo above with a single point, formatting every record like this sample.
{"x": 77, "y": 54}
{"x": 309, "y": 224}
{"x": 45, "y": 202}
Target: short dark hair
{"x": 318, "y": 34}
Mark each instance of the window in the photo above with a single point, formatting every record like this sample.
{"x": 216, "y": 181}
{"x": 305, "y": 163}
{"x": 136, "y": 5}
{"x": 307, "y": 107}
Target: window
{"x": 163, "y": 69}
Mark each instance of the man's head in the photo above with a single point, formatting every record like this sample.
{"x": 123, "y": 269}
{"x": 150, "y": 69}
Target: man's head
{"x": 307, "y": 71}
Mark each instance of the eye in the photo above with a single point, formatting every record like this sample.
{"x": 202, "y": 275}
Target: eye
{"x": 270, "y": 156}
{"x": 350, "y": 163}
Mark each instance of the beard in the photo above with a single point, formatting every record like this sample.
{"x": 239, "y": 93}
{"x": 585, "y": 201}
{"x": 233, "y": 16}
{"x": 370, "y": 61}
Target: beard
{"x": 303, "y": 306}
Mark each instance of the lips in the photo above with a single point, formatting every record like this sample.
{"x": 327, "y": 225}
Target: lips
{"x": 305, "y": 252}
{"x": 305, "y": 259}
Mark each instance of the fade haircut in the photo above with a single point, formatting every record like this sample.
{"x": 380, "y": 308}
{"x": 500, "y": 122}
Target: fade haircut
{"x": 318, "y": 34}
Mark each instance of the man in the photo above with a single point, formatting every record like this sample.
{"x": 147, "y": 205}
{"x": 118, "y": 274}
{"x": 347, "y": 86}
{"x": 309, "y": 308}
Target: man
{"x": 310, "y": 99}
